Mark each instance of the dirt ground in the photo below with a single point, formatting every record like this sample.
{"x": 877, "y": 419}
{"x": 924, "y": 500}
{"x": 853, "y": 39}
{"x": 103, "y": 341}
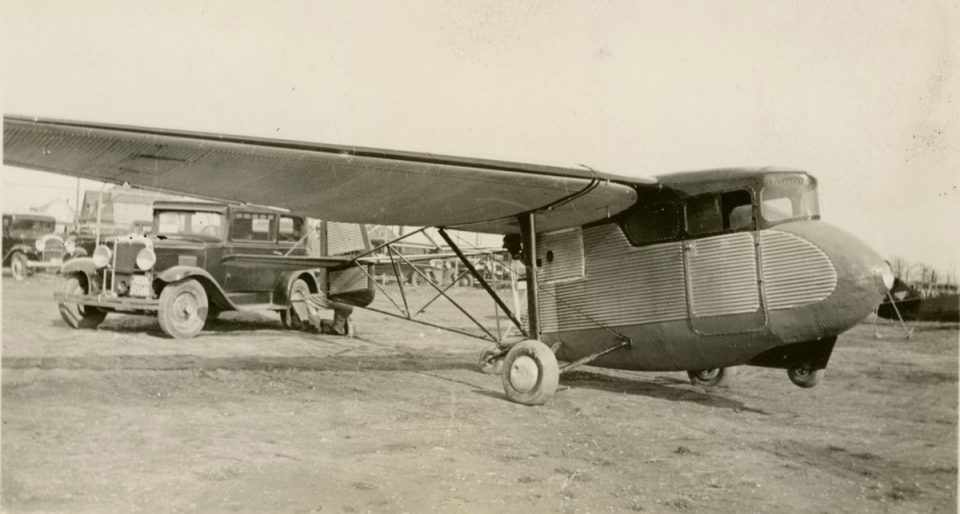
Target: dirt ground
{"x": 248, "y": 417}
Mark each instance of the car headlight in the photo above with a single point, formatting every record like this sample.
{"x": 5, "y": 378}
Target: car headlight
{"x": 70, "y": 246}
{"x": 101, "y": 256}
{"x": 38, "y": 244}
{"x": 146, "y": 259}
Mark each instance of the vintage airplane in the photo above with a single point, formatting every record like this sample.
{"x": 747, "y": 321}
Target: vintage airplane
{"x": 691, "y": 272}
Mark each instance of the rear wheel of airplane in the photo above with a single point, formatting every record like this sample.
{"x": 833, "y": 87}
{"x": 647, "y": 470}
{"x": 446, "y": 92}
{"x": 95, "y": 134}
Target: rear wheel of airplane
{"x": 712, "y": 377}
{"x": 77, "y": 315}
{"x": 530, "y": 373}
{"x": 183, "y": 309}
{"x": 805, "y": 376}
{"x": 18, "y": 266}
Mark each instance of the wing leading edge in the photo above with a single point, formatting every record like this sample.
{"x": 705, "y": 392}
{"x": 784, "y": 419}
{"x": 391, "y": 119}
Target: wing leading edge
{"x": 351, "y": 184}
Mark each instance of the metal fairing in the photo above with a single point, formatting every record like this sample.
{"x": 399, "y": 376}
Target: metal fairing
{"x": 795, "y": 272}
{"x": 622, "y": 285}
{"x": 722, "y": 272}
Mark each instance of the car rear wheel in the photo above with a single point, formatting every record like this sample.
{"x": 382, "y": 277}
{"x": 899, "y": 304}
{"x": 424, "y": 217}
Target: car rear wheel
{"x": 77, "y": 315}
{"x": 296, "y": 314}
{"x": 183, "y": 309}
{"x": 18, "y": 266}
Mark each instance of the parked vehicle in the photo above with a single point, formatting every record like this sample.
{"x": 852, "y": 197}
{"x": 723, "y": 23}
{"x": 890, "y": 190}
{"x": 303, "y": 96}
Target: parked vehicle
{"x": 30, "y": 242}
{"x": 202, "y": 259}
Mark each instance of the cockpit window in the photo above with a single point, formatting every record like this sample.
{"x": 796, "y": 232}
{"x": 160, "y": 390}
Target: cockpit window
{"x": 190, "y": 223}
{"x": 725, "y": 212}
{"x": 652, "y": 224}
{"x": 789, "y": 197}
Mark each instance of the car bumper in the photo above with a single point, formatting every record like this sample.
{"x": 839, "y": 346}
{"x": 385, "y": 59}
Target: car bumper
{"x": 110, "y": 302}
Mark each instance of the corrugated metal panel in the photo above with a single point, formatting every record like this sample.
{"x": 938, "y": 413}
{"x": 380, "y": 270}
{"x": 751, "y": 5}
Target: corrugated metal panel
{"x": 795, "y": 272}
{"x": 561, "y": 256}
{"x": 344, "y": 238}
{"x": 623, "y": 285}
{"x": 723, "y": 275}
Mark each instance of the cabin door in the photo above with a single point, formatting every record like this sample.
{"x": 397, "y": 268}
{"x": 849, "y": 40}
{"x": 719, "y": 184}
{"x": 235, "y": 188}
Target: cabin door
{"x": 723, "y": 287}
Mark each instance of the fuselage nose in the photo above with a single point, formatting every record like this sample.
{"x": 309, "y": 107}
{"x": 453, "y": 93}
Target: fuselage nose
{"x": 860, "y": 275}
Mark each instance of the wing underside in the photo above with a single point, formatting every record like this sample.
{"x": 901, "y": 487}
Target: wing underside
{"x": 330, "y": 182}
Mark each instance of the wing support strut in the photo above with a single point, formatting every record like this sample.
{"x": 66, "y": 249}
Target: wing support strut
{"x": 528, "y": 228}
{"x": 397, "y": 260}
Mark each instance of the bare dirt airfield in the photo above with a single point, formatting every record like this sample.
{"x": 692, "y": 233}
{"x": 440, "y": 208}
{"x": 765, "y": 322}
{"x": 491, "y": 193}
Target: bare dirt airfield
{"x": 251, "y": 418}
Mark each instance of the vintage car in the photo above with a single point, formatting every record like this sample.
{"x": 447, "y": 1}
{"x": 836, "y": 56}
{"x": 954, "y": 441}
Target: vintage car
{"x": 30, "y": 242}
{"x": 202, "y": 259}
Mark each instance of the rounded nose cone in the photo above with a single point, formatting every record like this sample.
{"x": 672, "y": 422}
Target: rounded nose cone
{"x": 860, "y": 275}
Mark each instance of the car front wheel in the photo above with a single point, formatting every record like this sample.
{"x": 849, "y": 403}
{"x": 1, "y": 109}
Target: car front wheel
{"x": 183, "y": 309}
{"x": 18, "y": 266}
{"x": 78, "y": 315}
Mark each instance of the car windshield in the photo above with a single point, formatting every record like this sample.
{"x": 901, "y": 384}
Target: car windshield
{"x": 209, "y": 224}
{"x": 35, "y": 226}
{"x": 789, "y": 197}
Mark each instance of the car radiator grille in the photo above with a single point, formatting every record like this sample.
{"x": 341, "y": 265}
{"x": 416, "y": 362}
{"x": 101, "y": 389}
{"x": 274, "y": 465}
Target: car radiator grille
{"x": 53, "y": 250}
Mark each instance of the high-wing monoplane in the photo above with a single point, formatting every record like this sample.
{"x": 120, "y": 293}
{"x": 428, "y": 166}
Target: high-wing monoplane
{"x": 691, "y": 272}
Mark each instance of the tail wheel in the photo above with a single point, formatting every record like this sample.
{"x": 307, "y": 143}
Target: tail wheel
{"x": 183, "y": 309}
{"x": 18, "y": 266}
{"x": 530, "y": 373}
{"x": 805, "y": 376}
{"x": 296, "y": 314}
{"x": 712, "y": 377}
{"x": 77, "y": 315}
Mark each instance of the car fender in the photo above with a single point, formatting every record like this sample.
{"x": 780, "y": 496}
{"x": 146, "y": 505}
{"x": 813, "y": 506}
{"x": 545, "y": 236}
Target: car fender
{"x": 22, "y": 248}
{"x": 285, "y": 282}
{"x": 83, "y": 265}
{"x": 215, "y": 294}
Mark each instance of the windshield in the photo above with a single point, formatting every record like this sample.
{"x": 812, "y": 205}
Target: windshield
{"x": 788, "y": 197}
{"x": 35, "y": 226}
{"x": 209, "y": 224}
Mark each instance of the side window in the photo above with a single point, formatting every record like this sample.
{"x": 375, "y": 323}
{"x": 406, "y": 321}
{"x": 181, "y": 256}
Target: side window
{"x": 652, "y": 224}
{"x": 252, "y": 226}
{"x": 737, "y": 210}
{"x": 703, "y": 215}
{"x": 290, "y": 228}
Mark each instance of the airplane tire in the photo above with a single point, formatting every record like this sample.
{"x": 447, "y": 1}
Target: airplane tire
{"x": 530, "y": 373}
{"x": 489, "y": 362}
{"x": 713, "y": 377}
{"x": 77, "y": 315}
{"x": 804, "y": 376}
{"x": 183, "y": 309}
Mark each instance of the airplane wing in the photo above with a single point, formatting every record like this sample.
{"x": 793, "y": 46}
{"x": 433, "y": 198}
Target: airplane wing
{"x": 342, "y": 183}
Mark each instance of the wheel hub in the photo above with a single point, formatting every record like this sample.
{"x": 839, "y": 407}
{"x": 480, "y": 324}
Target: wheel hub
{"x": 524, "y": 374}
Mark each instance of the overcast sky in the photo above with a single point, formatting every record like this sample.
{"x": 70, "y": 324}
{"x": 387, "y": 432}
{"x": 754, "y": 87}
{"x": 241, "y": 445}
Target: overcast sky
{"x": 863, "y": 95}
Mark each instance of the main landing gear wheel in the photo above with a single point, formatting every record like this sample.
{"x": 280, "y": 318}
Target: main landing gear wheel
{"x": 712, "y": 377}
{"x": 293, "y": 318}
{"x": 18, "y": 266}
{"x": 77, "y": 315}
{"x": 805, "y": 376}
{"x": 530, "y": 373}
{"x": 491, "y": 361}
{"x": 183, "y": 309}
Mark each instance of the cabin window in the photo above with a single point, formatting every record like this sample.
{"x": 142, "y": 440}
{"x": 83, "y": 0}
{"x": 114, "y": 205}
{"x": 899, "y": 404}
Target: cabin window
{"x": 290, "y": 228}
{"x": 789, "y": 197}
{"x": 652, "y": 224}
{"x": 703, "y": 215}
{"x": 726, "y": 212}
{"x": 252, "y": 226}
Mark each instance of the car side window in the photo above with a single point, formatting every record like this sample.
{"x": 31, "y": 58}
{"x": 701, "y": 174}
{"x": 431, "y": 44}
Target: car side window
{"x": 252, "y": 226}
{"x": 290, "y": 228}
{"x": 652, "y": 224}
